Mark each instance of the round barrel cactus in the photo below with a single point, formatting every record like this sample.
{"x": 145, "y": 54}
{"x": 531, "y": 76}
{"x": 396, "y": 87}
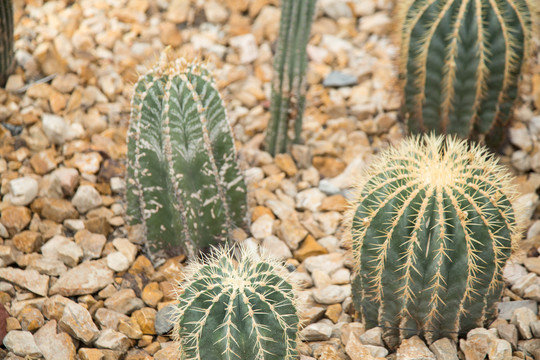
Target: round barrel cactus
{"x": 237, "y": 310}
{"x": 432, "y": 229}
{"x": 461, "y": 61}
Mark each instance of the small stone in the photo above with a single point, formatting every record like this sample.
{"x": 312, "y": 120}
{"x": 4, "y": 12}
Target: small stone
{"x": 22, "y": 343}
{"x": 507, "y": 308}
{"x": 63, "y": 249}
{"x": 113, "y": 340}
{"x": 124, "y": 301}
{"x": 91, "y": 244}
{"x": 28, "y": 279}
{"x": 312, "y": 314}
{"x": 109, "y": 319}
{"x": 276, "y": 248}
{"x": 47, "y": 266}
{"x": 339, "y": 79}
{"x": 43, "y": 161}
{"x": 27, "y": 241}
{"x": 77, "y": 322}
{"x": 414, "y": 348}
{"x": 356, "y": 350}
{"x": 527, "y": 203}
{"x": 91, "y": 354}
{"x": 246, "y": 46}
{"x": 30, "y": 319}
{"x": 377, "y": 351}
{"x": 522, "y": 318}
{"x": 310, "y": 247}
{"x": 15, "y": 218}
{"x": 86, "y": 198}
{"x": 55, "y": 128}
{"x": 333, "y": 312}
{"x": 309, "y": 199}
{"x": 118, "y": 261}
{"x": 215, "y": 12}
{"x": 87, "y": 278}
{"x": 262, "y": 227}
{"x": 286, "y": 164}
{"x": 316, "y": 332}
{"x": 325, "y": 263}
{"x": 88, "y": 163}
{"x": 146, "y": 318}
{"x": 55, "y": 346}
{"x": 477, "y": 344}
{"x": 68, "y": 178}
{"x": 532, "y": 264}
{"x": 378, "y": 23}
{"x": 500, "y": 350}
{"x": 372, "y": 337}
{"x": 152, "y": 294}
{"x": 331, "y": 294}
{"x": 164, "y": 319}
{"x": 130, "y": 328}
{"x": 524, "y": 282}
{"x": 53, "y": 307}
{"x": 509, "y": 332}
{"x": 126, "y": 247}
{"x": 444, "y": 349}
{"x": 292, "y": 232}
{"x": 22, "y": 191}
{"x": 58, "y": 210}
{"x": 334, "y": 203}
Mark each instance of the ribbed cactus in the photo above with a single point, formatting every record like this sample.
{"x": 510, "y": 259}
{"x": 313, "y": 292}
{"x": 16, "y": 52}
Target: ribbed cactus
{"x": 461, "y": 61}
{"x": 183, "y": 181}
{"x": 6, "y": 40}
{"x": 288, "y": 87}
{"x": 237, "y": 310}
{"x": 432, "y": 229}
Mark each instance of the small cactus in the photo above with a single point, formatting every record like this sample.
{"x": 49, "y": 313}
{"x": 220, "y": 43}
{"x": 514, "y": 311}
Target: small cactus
{"x": 6, "y": 40}
{"x": 237, "y": 310}
{"x": 432, "y": 228}
{"x": 183, "y": 181}
{"x": 461, "y": 61}
{"x": 288, "y": 87}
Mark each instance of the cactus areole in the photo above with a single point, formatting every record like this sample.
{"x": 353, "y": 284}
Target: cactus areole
{"x": 237, "y": 310}
{"x": 184, "y": 186}
{"x": 461, "y": 61}
{"x": 432, "y": 228}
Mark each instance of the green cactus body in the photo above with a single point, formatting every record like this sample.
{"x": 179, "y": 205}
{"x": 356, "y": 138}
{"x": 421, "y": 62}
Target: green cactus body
{"x": 288, "y": 88}
{"x": 183, "y": 181}
{"x": 233, "y": 310}
{"x": 461, "y": 61}
{"x": 432, "y": 229}
{"x": 6, "y": 40}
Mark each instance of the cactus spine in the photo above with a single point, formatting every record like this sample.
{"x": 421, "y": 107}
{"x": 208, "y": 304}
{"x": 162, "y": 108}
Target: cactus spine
{"x": 183, "y": 183}
{"x": 288, "y": 88}
{"x": 237, "y": 310}
{"x": 432, "y": 229}
{"x": 6, "y": 40}
{"x": 461, "y": 61}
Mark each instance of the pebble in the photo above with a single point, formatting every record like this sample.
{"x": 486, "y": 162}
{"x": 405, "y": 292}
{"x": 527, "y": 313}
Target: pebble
{"x": 310, "y": 247}
{"x": 28, "y": 279}
{"x": 309, "y": 199}
{"x": 316, "y": 332}
{"x": 113, "y": 340}
{"x": 22, "y": 191}
{"x": 118, "y": 261}
{"x": 146, "y": 318}
{"x": 338, "y": 79}
{"x": 109, "y": 319}
{"x": 91, "y": 244}
{"x": 413, "y": 349}
{"x": 325, "y": 263}
{"x": 58, "y": 210}
{"x": 276, "y": 248}
{"x": 77, "y": 322}
{"x": 53, "y": 345}
{"x": 372, "y": 337}
{"x": 292, "y": 232}
{"x": 332, "y": 294}
{"x": 55, "y": 128}
{"x": 86, "y": 198}
{"x": 15, "y": 218}
{"x": 152, "y": 294}
{"x": 507, "y": 308}
{"x": 509, "y": 332}
{"x": 356, "y": 350}
{"x": 68, "y": 178}
{"x": 262, "y": 227}
{"x": 22, "y": 343}
{"x": 130, "y": 328}
{"x": 164, "y": 319}
{"x": 87, "y": 278}
{"x": 246, "y": 46}
{"x": 500, "y": 350}
{"x": 444, "y": 349}
{"x": 124, "y": 301}
{"x": 477, "y": 345}
{"x": 27, "y": 241}
{"x": 522, "y": 318}
{"x": 30, "y": 319}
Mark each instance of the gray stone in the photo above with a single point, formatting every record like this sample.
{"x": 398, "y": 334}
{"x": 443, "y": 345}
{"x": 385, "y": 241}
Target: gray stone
{"x": 444, "y": 349}
{"x": 339, "y": 79}
{"x": 87, "y": 278}
{"x": 332, "y": 294}
{"x": 109, "y": 319}
{"x": 113, "y": 340}
{"x": 500, "y": 349}
{"x": 372, "y": 337}
{"x": 316, "y": 332}
{"x": 22, "y": 343}
{"x": 124, "y": 301}
{"x": 276, "y": 248}
{"x": 47, "y": 266}
{"x": 77, "y": 322}
{"x": 509, "y": 333}
{"x": 524, "y": 282}
{"x": 377, "y": 351}
{"x": 22, "y": 190}
{"x": 512, "y": 272}
{"x": 325, "y": 263}
{"x": 507, "y": 308}
{"x": 86, "y": 198}
{"x": 164, "y": 319}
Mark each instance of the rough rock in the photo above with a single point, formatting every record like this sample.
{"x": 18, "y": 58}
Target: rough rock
{"x": 87, "y": 278}
{"x": 22, "y": 191}
{"x": 77, "y": 322}
{"x": 414, "y": 349}
{"x": 28, "y": 279}
{"x": 86, "y": 198}
{"x": 54, "y": 346}
{"x": 22, "y": 343}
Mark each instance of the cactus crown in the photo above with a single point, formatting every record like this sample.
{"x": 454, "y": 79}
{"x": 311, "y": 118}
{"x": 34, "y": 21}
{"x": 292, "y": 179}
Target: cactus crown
{"x": 461, "y": 61}
{"x": 432, "y": 228}
{"x": 183, "y": 182}
{"x": 243, "y": 310}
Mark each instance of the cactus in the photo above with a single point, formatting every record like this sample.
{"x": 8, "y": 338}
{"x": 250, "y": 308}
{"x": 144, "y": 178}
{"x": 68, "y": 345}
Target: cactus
{"x": 237, "y": 310}
{"x": 6, "y": 40}
{"x": 183, "y": 182}
{"x": 432, "y": 228}
{"x": 288, "y": 88}
{"x": 461, "y": 61}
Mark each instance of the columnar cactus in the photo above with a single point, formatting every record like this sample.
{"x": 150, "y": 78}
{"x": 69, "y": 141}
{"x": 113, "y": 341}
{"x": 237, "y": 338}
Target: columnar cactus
{"x": 6, "y": 40}
{"x": 183, "y": 182}
{"x": 461, "y": 61}
{"x": 237, "y": 310}
{"x": 432, "y": 228}
{"x": 288, "y": 87}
